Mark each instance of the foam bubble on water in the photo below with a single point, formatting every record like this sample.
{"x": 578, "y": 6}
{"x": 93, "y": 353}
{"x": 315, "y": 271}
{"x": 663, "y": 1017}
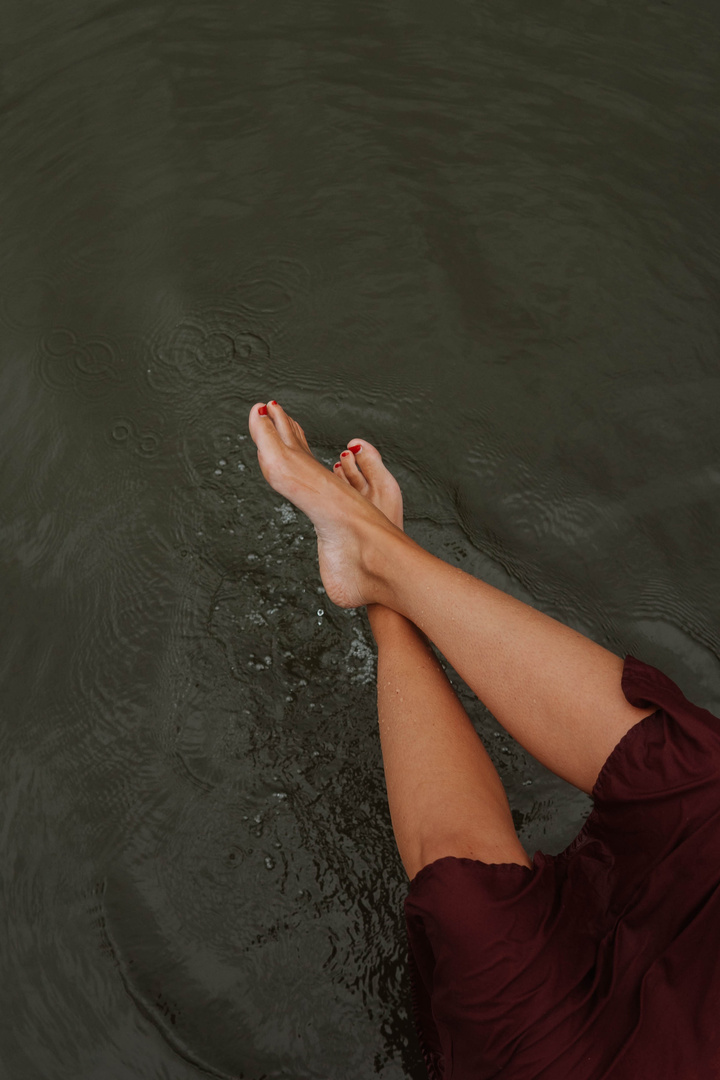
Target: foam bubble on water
{"x": 361, "y": 653}
{"x": 286, "y": 512}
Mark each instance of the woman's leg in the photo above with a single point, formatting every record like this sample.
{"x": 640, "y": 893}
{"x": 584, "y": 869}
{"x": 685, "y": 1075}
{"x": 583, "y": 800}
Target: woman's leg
{"x": 444, "y": 793}
{"x": 555, "y": 691}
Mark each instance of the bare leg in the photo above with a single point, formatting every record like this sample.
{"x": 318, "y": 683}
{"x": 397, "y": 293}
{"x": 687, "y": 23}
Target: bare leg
{"x": 555, "y": 691}
{"x": 445, "y": 795}
{"x": 552, "y": 689}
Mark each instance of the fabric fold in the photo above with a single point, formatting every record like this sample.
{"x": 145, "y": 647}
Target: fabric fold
{"x": 571, "y": 967}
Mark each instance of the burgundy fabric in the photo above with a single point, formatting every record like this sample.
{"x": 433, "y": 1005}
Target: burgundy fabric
{"x": 601, "y": 963}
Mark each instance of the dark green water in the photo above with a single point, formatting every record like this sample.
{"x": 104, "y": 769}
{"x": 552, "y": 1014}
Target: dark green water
{"x": 487, "y": 238}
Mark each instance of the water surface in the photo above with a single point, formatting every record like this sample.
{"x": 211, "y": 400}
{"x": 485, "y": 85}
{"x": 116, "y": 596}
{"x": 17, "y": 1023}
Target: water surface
{"x": 484, "y": 237}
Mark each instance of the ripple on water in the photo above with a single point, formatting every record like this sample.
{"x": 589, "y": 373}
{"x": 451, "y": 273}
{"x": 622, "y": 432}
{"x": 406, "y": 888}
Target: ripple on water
{"x": 232, "y": 918}
{"x": 92, "y": 368}
{"x": 214, "y": 349}
{"x": 200, "y": 712}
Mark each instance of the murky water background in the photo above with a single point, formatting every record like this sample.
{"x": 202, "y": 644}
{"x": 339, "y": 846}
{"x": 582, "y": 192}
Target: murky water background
{"x": 484, "y": 237}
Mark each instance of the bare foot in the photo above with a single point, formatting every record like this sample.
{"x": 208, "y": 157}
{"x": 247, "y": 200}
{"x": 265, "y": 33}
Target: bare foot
{"x": 348, "y": 525}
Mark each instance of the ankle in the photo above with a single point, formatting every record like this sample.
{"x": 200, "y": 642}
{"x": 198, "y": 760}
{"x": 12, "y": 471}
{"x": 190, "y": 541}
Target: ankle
{"x": 385, "y": 557}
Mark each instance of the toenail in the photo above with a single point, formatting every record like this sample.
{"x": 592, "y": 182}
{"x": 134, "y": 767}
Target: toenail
{"x": 262, "y": 411}
{"x": 337, "y": 465}
{"x": 273, "y": 402}
{"x": 345, "y": 453}
{"x": 356, "y": 449}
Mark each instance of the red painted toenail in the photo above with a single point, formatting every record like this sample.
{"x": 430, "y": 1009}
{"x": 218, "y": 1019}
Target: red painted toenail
{"x": 345, "y": 453}
{"x": 273, "y": 402}
{"x": 337, "y": 465}
{"x": 262, "y": 411}
{"x": 356, "y": 449}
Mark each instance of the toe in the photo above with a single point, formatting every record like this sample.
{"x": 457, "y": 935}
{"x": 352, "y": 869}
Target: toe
{"x": 340, "y": 472}
{"x": 367, "y": 459}
{"x": 262, "y": 429}
{"x": 352, "y": 473}
{"x": 284, "y": 424}
{"x": 300, "y": 435}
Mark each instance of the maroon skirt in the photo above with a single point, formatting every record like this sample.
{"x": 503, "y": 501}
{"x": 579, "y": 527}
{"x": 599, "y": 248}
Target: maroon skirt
{"x": 601, "y": 963}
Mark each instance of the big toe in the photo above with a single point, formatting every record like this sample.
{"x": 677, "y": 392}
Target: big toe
{"x": 368, "y": 460}
{"x": 286, "y": 427}
{"x": 262, "y": 429}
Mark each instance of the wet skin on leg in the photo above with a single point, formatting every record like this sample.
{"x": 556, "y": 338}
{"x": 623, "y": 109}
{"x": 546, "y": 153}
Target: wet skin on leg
{"x": 555, "y": 691}
{"x": 444, "y": 793}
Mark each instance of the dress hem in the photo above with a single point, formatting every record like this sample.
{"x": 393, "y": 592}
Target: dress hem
{"x": 620, "y": 746}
